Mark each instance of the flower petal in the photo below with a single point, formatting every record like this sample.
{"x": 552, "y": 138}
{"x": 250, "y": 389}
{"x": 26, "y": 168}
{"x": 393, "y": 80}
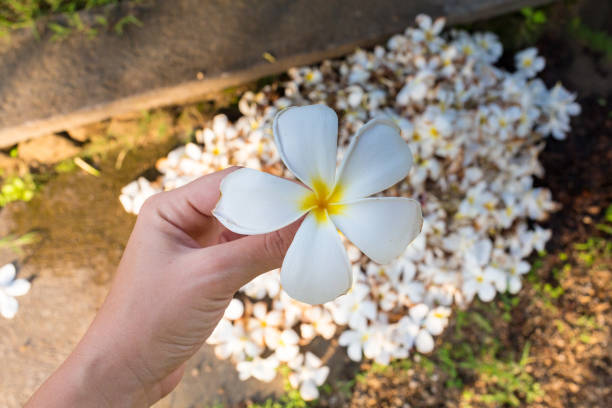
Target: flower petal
{"x": 316, "y": 268}
{"x": 381, "y": 227}
{"x": 19, "y": 287}
{"x": 424, "y": 342}
{"x": 376, "y": 159}
{"x": 309, "y": 391}
{"x": 486, "y": 292}
{"x": 7, "y": 274}
{"x": 307, "y": 138}
{"x": 354, "y": 351}
{"x": 8, "y": 306}
{"x": 253, "y": 202}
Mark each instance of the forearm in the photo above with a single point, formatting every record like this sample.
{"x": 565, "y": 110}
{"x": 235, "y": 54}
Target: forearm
{"x": 90, "y": 377}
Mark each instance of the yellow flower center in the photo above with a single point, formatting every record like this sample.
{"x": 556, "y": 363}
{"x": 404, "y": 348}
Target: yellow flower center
{"x": 434, "y": 132}
{"x": 480, "y": 279}
{"x": 527, "y": 62}
{"x": 322, "y": 200}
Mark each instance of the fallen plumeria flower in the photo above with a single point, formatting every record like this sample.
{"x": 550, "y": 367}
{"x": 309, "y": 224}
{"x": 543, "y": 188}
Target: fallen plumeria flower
{"x": 9, "y": 288}
{"x": 316, "y": 268}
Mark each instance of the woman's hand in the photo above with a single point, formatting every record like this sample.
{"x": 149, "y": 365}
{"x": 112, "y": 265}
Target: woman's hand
{"x": 178, "y": 273}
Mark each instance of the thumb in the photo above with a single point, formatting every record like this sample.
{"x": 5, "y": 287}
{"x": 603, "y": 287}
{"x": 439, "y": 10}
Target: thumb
{"x": 233, "y": 264}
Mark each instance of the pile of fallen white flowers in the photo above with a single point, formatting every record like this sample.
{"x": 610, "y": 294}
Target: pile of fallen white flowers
{"x": 475, "y": 131}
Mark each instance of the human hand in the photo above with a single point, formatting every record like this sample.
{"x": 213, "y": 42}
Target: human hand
{"x": 179, "y": 271}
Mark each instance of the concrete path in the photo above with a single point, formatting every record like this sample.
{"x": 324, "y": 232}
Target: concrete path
{"x": 187, "y": 48}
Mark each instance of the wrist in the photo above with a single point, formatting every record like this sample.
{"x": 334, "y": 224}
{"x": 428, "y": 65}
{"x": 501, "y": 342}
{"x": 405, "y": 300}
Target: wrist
{"x": 107, "y": 376}
{"x": 92, "y": 377}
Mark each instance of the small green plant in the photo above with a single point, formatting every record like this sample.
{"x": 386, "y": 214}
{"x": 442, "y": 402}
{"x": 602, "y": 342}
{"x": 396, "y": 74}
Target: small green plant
{"x": 534, "y": 18}
{"x": 127, "y": 20}
{"x": 15, "y": 242}
{"x": 65, "y": 166}
{"x": 290, "y": 399}
{"x": 508, "y": 382}
{"x": 508, "y": 302}
{"x": 598, "y": 41}
{"x": 17, "y": 189}
{"x": 17, "y": 14}
{"x": 606, "y": 226}
{"x": 591, "y": 250}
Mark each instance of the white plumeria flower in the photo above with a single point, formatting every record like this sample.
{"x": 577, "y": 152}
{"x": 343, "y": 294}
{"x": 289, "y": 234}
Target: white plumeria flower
{"x": 514, "y": 275}
{"x": 540, "y": 237}
{"x": 358, "y": 340}
{"x": 503, "y": 120}
{"x": 355, "y": 308}
{"x": 316, "y": 269}
{"x": 9, "y": 289}
{"x": 387, "y": 297}
{"x": 391, "y": 272}
{"x": 318, "y": 321}
{"x": 309, "y": 373}
{"x": 411, "y": 329}
{"x": 428, "y": 31}
{"x": 265, "y": 284}
{"x": 234, "y": 310}
{"x": 387, "y": 346}
{"x": 528, "y": 62}
{"x": 423, "y": 340}
{"x": 286, "y": 347}
{"x": 562, "y": 102}
{"x": 482, "y": 281}
{"x": 490, "y": 47}
{"x": 263, "y": 369}
{"x": 437, "y": 320}
{"x": 264, "y": 325}
{"x": 292, "y": 309}
{"x": 233, "y": 341}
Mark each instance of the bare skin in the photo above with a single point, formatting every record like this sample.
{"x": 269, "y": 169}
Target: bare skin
{"x": 179, "y": 271}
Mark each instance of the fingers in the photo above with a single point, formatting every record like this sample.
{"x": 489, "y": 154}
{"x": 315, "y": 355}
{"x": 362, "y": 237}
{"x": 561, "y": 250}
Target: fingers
{"x": 229, "y": 266}
{"x": 189, "y": 208}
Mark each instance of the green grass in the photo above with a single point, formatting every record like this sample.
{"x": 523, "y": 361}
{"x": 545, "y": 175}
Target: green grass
{"x": 17, "y": 188}
{"x": 17, "y": 14}
{"x": 16, "y": 242}
{"x": 596, "y": 40}
{"x": 290, "y": 399}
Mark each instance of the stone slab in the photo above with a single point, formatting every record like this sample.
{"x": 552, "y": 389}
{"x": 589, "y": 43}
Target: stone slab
{"x": 48, "y": 86}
